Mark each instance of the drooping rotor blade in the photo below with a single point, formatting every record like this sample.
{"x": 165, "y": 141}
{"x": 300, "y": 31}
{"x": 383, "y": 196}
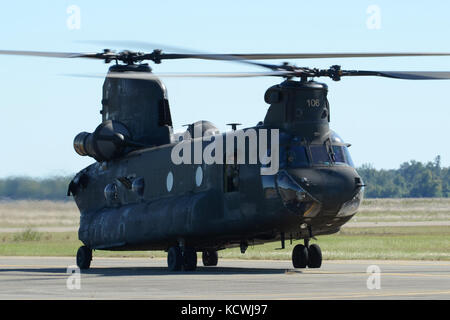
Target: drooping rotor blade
{"x": 333, "y": 73}
{"x": 152, "y": 76}
{"x": 43, "y": 54}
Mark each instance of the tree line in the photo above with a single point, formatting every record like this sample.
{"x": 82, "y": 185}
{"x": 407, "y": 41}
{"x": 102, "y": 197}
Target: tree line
{"x": 412, "y": 180}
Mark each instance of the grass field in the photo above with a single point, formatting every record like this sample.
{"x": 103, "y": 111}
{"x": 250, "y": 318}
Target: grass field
{"x": 405, "y": 243}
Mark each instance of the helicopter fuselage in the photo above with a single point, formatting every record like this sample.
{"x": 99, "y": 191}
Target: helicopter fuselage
{"x": 143, "y": 201}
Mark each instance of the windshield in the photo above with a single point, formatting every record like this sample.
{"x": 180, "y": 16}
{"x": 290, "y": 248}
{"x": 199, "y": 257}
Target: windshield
{"x": 339, "y": 155}
{"x": 300, "y": 155}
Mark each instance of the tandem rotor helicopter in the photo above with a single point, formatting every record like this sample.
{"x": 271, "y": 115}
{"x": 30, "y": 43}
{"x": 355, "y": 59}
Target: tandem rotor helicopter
{"x": 134, "y": 197}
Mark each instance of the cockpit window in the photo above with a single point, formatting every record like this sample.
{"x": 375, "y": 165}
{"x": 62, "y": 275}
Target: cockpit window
{"x": 320, "y": 155}
{"x": 297, "y": 157}
{"x": 338, "y": 154}
{"x": 323, "y": 156}
{"x": 348, "y": 158}
{"x": 342, "y": 155}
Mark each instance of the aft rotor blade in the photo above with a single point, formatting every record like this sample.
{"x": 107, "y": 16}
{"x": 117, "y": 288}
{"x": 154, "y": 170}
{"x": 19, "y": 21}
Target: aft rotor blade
{"x": 40, "y": 54}
{"x": 178, "y": 52}
{"x": 49, "y": 54}
{"x": 184, "y": 53}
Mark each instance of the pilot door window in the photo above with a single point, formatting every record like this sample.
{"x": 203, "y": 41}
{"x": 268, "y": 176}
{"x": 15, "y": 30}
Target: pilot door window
{"x": 231, "y": 176}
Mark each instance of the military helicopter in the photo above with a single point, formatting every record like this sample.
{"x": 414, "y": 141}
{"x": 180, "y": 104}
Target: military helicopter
{"x": 134, "y": 197}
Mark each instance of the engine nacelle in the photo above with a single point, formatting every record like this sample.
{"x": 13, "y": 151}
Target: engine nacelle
{"x": 107, "y": 142}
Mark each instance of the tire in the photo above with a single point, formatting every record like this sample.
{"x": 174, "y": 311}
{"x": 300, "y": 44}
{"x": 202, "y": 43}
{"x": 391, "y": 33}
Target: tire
{"x": 84, "y": 257}
{"x": 189, "y": 259}
{"x": 174, "y": 259}
{"x": 210, "y": 258}
{"x": 314, "y": 256}
{"x": 300, "y": 256}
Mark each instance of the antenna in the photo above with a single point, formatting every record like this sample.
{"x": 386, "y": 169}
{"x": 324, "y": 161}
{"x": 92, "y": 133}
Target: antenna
{"x": 234, "y": 125}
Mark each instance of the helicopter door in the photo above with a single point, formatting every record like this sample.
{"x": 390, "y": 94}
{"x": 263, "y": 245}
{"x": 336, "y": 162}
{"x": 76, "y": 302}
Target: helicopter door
{"x": 231, "y": 175}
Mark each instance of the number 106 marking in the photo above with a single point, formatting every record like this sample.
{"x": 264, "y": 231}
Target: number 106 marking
{"x": 313, "y": 102}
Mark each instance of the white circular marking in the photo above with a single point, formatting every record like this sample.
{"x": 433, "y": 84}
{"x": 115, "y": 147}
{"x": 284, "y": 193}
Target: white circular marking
{"x": 169, "y": 181}
{"x": 198, "y": 176}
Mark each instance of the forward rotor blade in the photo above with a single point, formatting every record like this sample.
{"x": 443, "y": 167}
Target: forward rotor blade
{"x": 268, "y": 56}
{"x": 407, "y": 75}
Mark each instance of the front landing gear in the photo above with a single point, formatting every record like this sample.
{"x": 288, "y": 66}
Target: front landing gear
{"x": 307, "y": 255}
{"x": 314, "y": 256}
{"x": 300, "y": 256}
{"x": 84, "y": 257}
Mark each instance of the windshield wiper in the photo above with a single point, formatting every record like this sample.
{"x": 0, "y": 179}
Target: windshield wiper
{"x": 330, "y": 150}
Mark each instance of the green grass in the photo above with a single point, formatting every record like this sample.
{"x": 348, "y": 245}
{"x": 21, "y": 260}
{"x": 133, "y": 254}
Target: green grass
{"x": 393, "y": 243}
{"x": 399, "y": 243}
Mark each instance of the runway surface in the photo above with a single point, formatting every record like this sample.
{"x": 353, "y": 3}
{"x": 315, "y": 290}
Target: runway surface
{"x": 141, "y": 278}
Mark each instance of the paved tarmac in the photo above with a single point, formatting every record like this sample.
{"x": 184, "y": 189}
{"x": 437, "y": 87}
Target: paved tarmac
{"x": 141, "y": 278}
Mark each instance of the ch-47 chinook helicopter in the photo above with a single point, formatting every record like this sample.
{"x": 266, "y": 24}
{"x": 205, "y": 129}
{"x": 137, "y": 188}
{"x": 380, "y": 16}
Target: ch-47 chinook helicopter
{"x": 134, "y": 197}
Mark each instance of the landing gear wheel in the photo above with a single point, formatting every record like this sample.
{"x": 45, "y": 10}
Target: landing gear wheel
{"x": 84, "y": 257}
{"x": 300, "y": 256}
{"x": 189, "y": 259}
{"x": 210, "y": 258}
{"x": 314, "y": 256}
{"x": 174, "y": 259}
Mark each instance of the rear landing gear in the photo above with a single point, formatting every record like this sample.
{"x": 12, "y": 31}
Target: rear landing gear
{"x": 174, "y": 259}
{"x": 307, "y": 255}
{"x": 84, "y": 257}
{"x": 210, "y": 258}
{"x": 189, "y": 259}
{"x": 181, "y": 259}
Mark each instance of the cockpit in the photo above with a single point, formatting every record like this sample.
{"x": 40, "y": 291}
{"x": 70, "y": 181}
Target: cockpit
{"x": 298, "y": 154}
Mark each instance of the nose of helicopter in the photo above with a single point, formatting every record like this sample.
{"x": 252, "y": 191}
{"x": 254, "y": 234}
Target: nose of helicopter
{"x": 331, "y": 186}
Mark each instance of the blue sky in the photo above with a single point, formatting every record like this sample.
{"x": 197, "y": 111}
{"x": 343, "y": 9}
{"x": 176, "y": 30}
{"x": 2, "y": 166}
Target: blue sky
{"x": 387, "y": 121}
